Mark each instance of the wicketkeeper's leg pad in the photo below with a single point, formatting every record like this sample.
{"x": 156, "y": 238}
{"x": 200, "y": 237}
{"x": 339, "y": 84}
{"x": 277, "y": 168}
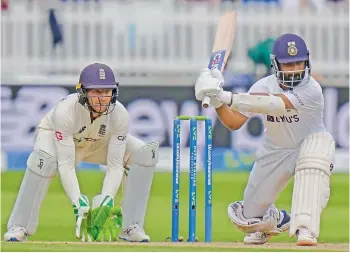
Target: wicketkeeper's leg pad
{"x": 312, "y": 182}
{"x": 250, "y": 225}
{"x": 138, "y": 184}
{"x": 41, "y": 167}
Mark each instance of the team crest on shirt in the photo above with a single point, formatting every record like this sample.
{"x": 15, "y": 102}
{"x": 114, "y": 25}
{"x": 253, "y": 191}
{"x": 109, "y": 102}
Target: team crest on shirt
{"x": 292, "y": 49}
{"x": 102, "y": 130}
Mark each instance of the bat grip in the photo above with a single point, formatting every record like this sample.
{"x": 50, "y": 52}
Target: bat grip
{"x": 206, "y": 102}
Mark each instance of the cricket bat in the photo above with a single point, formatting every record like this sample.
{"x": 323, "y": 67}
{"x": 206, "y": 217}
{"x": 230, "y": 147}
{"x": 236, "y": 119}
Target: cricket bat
{"x": 224, "y": 37}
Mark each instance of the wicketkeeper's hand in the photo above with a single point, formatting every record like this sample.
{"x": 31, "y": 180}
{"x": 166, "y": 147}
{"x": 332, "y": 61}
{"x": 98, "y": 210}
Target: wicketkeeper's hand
{"x": 81, "y": 211}
{"x": 105, "y": 219}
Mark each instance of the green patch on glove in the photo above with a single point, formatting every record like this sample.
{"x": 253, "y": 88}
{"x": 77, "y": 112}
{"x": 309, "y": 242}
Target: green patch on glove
{"x": 104, "y": 223}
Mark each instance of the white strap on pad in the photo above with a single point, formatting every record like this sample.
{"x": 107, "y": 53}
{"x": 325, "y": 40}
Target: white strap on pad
{"x": 312, "y": 182}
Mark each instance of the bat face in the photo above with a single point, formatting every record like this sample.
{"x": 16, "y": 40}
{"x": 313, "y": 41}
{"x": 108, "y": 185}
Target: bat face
{"x": 225, "y": 34}
{"x": 224, "y": 37}
{"x": 217, "y": 60}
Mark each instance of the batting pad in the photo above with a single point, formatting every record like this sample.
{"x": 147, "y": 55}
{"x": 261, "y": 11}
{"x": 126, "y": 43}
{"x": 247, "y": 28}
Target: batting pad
{"x": 312, "y": 182}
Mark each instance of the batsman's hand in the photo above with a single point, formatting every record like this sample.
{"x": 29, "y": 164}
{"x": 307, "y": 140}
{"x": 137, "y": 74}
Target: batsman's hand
{"x": 209, "y": 83}
{"x": 105, "y": 220}
{"x": 82, "y": 211}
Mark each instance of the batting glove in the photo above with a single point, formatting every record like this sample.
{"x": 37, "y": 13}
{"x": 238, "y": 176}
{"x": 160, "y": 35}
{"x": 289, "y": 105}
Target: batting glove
{"x": 207, "y": 85}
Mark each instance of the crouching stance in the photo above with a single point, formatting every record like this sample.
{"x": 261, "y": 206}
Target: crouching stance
{"x": 296, "y": 143}
{"x": 89, "y": 126}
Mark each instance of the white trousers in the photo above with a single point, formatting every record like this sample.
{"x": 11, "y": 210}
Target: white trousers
{"x": 270, "y": 174}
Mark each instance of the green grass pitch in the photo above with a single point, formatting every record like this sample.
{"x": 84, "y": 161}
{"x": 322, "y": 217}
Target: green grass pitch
{"x": 57, "y": 222}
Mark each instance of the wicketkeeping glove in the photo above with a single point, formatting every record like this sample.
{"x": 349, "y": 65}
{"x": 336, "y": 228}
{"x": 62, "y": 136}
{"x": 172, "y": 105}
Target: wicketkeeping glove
{"x": 105, "y": 219}
{"x": 81, "y": 210}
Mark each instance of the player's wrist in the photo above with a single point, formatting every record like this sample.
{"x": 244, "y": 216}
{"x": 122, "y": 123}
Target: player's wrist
{"x": 216, "y": 103}
{"x": 225, "y": 97}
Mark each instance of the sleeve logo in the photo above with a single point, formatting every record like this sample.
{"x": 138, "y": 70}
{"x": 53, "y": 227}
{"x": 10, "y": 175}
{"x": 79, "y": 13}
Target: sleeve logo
{"x": 122, "y": 137}
{"x": 58, "y": 135}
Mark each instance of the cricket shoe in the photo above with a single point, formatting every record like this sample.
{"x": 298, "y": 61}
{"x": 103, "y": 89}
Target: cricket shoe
{"x": 134, "y": 233}
{"x": 16, "y": 234}
{"x": 305, "y": 237}
{"x": 261, "y": 238}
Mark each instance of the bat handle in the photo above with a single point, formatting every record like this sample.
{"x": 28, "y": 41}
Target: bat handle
{"x": 206, "y": 102}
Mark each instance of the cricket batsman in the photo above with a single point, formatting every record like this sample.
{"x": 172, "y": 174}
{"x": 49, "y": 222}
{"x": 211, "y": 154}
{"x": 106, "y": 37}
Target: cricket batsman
{"x": 90, "y": 126}
{"x": 296, "y": 143}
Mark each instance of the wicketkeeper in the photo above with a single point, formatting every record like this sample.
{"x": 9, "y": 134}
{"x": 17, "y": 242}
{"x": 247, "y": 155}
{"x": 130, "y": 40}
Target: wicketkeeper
{"x": 90, "y": 126}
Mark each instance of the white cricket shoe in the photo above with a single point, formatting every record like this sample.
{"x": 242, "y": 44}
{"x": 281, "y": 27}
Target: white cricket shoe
{"x": 261, "y": 238}
{"x": 16, "y": 234}
{"x": 134, "y": 233}
{"x": 257, "y": 238}
{"x": 305, "y": 238}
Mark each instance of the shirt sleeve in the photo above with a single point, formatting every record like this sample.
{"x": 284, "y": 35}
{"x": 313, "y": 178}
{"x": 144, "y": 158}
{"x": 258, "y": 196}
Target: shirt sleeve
{"x": 305, "y": 99}
{"x": 65, "y": 150}
{"x": 115, "y": 155}
{"x": 258, "y": 87}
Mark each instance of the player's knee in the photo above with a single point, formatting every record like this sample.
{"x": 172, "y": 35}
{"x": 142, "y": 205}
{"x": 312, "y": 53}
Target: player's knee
{"x": 42, "y": 163}
{"x": 317, "y": 152}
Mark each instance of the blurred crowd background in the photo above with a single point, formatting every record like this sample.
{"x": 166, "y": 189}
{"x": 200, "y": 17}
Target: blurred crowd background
{"x": 167, "y": 36}
{"x": 157, "y": 48}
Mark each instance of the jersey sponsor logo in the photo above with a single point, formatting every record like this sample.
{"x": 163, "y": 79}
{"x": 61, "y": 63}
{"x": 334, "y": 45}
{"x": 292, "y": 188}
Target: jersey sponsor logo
{"x": 85, "y": 139}
{"x": 121, "y": 137}
{"x": 58, "y": 135}
{"x": 282, "y": 119}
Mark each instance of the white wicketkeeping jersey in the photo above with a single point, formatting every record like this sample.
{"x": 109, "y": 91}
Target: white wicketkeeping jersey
{"x": 287, "y": 131}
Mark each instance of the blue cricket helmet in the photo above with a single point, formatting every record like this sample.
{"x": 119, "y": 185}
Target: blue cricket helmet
{"x": 97, "y": 76}
{"x": 290, "y": 48}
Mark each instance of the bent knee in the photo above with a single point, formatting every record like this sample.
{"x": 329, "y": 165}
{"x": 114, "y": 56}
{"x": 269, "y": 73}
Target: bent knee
{"x": 42, "y": 163}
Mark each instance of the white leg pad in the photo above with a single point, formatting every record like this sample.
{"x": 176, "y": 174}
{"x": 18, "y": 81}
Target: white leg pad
{"x": 312, "y": 182}
{"x": 138, "y": 184}
{"x": 41, "y": 167}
